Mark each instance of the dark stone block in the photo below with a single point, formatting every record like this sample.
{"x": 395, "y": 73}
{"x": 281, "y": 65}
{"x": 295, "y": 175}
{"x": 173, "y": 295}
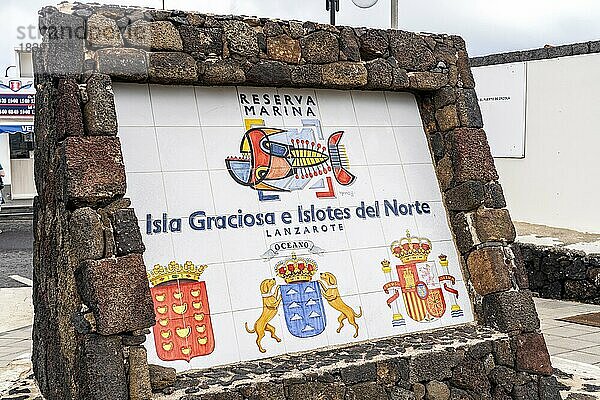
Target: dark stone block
{"x": 103, "y": 32}
{"x": 537, "y": 54}
{"x": 171, "y": 68}
{"x": 344, "y": 75}
{"x": 117, "y": 291}
{"x": 398, "y": 393}
{"x": 494, "y": 195}
{"x": 580, "y": 48}
{"x": 161, "y": 377}
{"x": 221, "y": 72}
{"x": 359, "y": 373}
{"x": 201, "y": 40}
{"x": 138, "y": 375}
{"x": 575, "y": 269}
{"x": 68, "y": 114}
{"x": 400, "y": 79}
{"x": 595, "y": 46}
{"x": 550, "y": 388}
{"x": 268, "y": 391}
{"x": 86, "y": 235}
{"x": 349, "y": 48}
{"x": 427, "y": 81}
{"x": 447, "y": 117}
{"x": 270, "y": 73}
{"x": 320, "y": 47}
{"x": 316, "y": 390}
{"x": 101, "y": 368}
{"x": 153, "y": 36}
{"x": 493, "y": 225}
{"x": 464, "y": 70}
{"x": 64, "y": 38}
{"x": 519, "y": 270}
{"x": 432, "y": 366}
{"x": 444, "y": 96}
{"x": 374, "y": 43}
{"x": 470, "y": 375}
{"x": 503, "y": 377}
{"x": 436, "y": 142}
{"x": 388, "y": 373}
{"x": 272, "y": 28}
{"x": 560, "y": 51}
{"x": 86, "y": 184}
{"x": 579, "y": 290}
{"x": 468, "y": 109}
{"x": 503, "y": 353}
{"x": 488, "y": 270}
{"x": 379, "y": 74}
{"x": 471, "y": 156}
{"x": 366, "y": 390}
{"x": 308, "y": 75}
{"x": 122, "y": 64}
{"x": 99, "y": 112}
{"x": 510, "y": 311}
{"x": 532, "y": 355}
{"x": 411, "y": 51}
{"x": 128, "y": 238}
{"x": 528, "y": 391}
{"x": 465, "y": 240}
{"x": 466, "y": 196}
{"x": 283, "y": 48}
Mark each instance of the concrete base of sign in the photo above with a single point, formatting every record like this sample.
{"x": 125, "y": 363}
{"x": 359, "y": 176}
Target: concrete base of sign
{"x": 468, "y": 362}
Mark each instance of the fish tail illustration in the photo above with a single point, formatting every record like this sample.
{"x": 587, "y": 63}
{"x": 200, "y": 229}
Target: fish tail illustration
{"x": 339, "y": 160}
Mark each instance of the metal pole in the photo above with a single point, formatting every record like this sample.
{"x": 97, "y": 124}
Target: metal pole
{"x": 394, "y": 16}
{"x": 332, "y": 6}
{"x": 163, "y": 1}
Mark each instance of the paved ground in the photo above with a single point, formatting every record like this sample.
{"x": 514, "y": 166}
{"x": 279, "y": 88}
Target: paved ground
{"x": 16, "y": 243}
{"x": 567, "y": 340}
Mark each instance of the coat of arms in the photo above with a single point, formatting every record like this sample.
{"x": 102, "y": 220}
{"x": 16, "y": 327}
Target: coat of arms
{"x": 302, "y": 300}
{"x": 284, "y": 160}
{"x": 183, "y": 330}
{"x": 418, "y": 282}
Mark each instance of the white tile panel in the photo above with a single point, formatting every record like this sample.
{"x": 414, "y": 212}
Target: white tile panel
{"x": 175, "y": 164}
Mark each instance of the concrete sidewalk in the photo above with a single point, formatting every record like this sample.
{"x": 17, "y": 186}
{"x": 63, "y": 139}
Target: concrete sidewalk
{"x": 567, "y": 340}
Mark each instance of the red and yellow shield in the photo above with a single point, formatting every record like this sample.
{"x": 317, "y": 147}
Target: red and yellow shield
{"x": 183, "y": 330}
{"x": 421, "y": 301}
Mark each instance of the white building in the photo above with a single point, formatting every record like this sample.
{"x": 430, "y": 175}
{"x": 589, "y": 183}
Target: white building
{"x": 17, "y": 109}
{"x": 541, "y": 110}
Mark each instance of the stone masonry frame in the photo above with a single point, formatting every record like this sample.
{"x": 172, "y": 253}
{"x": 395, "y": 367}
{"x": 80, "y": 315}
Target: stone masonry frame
{"x": 91, "y": 295}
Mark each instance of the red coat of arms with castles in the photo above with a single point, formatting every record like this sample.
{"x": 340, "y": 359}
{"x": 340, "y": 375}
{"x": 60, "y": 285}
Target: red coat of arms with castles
{"x": 418, "y": 282}
{"x": 183, "y": 330}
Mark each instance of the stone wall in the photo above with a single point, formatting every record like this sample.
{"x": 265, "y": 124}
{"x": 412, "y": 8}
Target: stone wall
{"x": 91, "y": 297}
{"x": 542, "y": 53}
{"x": 559, "y": 273}
{"x": 459, "y": 363}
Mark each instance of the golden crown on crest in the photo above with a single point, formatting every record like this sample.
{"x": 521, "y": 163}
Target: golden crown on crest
{"x": 174, "y": 271}
{"x": 296, "y": 269}
{"x": 411, "y": 248}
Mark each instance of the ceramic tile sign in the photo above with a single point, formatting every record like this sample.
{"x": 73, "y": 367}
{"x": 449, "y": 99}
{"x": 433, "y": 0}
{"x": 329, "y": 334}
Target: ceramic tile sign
{"x": 285, "y": 220}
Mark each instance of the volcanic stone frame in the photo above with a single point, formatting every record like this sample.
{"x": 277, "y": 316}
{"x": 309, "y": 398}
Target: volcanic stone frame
{"x": 91, "y": 295}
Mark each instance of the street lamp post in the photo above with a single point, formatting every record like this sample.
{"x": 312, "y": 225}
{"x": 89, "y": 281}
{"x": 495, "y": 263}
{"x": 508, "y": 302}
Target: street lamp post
{"x": 332, "y": 6}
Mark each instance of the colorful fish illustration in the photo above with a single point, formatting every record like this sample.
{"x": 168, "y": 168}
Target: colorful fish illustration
{"x": 287, "y": 160}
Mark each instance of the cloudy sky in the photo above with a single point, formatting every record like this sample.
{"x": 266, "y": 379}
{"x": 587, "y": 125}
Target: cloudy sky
{"x": 488, "y": 26}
